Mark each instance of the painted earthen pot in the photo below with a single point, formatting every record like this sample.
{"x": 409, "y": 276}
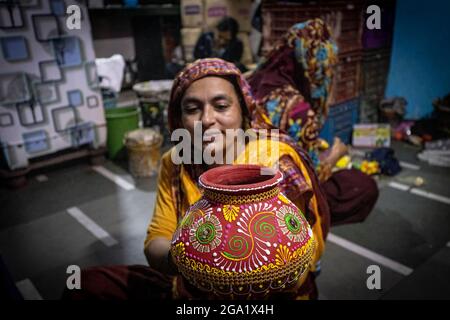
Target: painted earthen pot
{"x": 243, "y": 237}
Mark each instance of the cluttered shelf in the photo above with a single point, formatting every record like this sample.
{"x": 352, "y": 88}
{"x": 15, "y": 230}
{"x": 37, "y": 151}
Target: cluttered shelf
{"x": 143, "y": 10}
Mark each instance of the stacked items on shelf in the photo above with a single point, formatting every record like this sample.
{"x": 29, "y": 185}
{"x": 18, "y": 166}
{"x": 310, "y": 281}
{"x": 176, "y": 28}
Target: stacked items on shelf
{"x": 346, "y": 78}
{"x": 375, "y": 68}
{"x": 375, "y": 63}
{"x": 340, "y": 121}
{"x": 192, "y": 20}
{"x": 345, "y": 19}
{"x": 199, "y": 16}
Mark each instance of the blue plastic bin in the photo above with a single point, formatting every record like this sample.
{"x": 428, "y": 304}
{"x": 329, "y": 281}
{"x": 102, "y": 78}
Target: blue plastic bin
{"x": 340, "y": 121}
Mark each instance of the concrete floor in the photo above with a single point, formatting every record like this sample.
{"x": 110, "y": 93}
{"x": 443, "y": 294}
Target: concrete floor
{"x": 407, "y": 235}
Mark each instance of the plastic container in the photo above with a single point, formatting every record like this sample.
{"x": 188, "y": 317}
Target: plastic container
{"x": 109, "y": 98}
{"x": 119, "y": 121}
{"x": 153, "y": 100}
{"x": 144, "y": 151}
{"x": 341, "y": 119}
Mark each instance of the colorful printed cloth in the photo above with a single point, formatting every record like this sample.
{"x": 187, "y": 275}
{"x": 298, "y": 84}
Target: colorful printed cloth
{"x": 293, "y": 83}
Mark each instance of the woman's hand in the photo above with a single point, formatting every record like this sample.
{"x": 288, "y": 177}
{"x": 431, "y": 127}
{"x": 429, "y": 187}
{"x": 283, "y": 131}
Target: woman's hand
{"x": 158, "y": 256}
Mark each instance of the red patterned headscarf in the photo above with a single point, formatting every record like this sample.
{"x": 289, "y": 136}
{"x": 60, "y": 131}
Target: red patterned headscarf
{"x": 203, "y": 68}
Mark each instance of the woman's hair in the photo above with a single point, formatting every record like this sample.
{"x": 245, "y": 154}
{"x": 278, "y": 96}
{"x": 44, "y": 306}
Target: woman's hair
{"x": 229, "y": 24}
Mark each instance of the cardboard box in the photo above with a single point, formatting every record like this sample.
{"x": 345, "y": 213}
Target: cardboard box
{"x": 189, "y": 37}
{"x": 192, "y": 14}
{"x": 241, "y": 11}
{"x": 247, "y": 57}
{"x": 216, "y": 10}
{"x": 372, "y": 135}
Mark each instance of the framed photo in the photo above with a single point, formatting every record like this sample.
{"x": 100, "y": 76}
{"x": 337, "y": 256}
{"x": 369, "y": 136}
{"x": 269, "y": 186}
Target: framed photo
{"x": 64, "y": 118}
{"x": 50, "y": 71}
{"x": 11, "y": 16}
{"x": 30, "y": 114}
{"x": 75, "y": 98}
{"x": 46, "y": 27}
{"x": 15, "y": 48}
{"x": 46, "y": 93}
{"x": 67, "y": 51}
{"x": 14, "y": 88}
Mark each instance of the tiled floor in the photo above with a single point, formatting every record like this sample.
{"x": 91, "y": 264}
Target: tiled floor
{"x": 39, "y": 238}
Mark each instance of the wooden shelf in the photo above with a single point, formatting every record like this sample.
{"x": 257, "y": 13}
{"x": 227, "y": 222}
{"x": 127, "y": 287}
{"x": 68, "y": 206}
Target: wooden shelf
{"x": 146, "y": 10}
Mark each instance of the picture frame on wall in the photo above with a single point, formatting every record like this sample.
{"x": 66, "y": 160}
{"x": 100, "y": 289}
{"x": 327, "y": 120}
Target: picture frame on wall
{"x": 36, "y": 141}
{"x": 50, "y": 71}
{"x": 46, "y": 93}
{"x": 75, "y": 98}
{"x": 14, "y": 88}
{"x": 31, "y": 114}
{"x": 11, "y": 15}
{"x": 91, "y": 75}
{"x": 6, "y": 120}
{"x": 92, "y": 101}
{"x": 68, "y": 52}
{"x": 58, "y": 7}
{"x": 64, "y": 118}
{"x": 30, "y": 3}
{"x": 15, "y": 48}
{"x": 46, "y": 27}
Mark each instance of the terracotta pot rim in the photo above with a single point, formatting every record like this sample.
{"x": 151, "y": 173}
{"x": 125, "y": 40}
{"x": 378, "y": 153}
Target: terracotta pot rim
{"x": 212, "y": 179}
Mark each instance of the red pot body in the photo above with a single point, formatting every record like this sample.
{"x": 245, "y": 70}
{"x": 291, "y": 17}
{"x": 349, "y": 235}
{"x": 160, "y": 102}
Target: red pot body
{"x": 243, "y": 237}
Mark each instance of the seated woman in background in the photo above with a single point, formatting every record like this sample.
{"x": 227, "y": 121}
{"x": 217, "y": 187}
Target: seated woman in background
{"x": 224, "y": 45}
{"x": 214, "y": 93}
{"x": 292, "y": 86}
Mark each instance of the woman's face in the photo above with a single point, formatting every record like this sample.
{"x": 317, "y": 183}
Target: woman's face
{"x": 212, "y": 101}
{"x": 223, "y": 38}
